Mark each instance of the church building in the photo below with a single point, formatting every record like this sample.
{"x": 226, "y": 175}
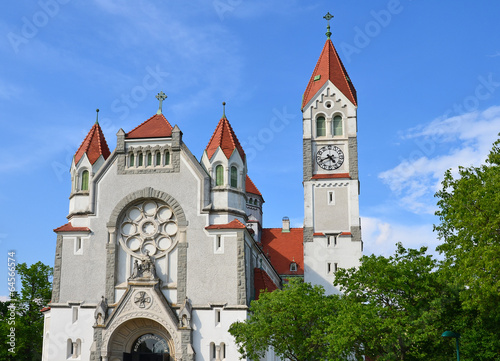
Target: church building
{"x": 163, "y": 251}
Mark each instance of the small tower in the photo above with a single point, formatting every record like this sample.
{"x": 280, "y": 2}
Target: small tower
{"x": 332, "y": 230}
{"x": 225, "y": 161}
{"x": 88, "y": 159}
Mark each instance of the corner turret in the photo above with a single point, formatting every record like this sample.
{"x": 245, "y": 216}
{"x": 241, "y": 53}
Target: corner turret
{"x": 88, "y": 159}
{"x": 225, "y": 162}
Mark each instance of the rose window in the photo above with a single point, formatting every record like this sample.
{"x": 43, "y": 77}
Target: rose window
{"x": 148, "y": 226}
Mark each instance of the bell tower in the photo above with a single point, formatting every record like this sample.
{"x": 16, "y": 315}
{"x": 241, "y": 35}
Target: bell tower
{"x": 332, "y": 229}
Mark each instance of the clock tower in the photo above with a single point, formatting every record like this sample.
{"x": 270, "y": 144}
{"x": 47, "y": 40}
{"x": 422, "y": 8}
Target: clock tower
{"x": 332, "y": 229}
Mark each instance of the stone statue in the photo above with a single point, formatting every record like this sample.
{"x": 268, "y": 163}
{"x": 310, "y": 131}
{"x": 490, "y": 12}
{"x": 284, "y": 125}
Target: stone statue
{"x": 101, "y": 311}
{"x": 135, "y": 271}
{"x": 148, "y": 266}
{"x": 146, "y": 269}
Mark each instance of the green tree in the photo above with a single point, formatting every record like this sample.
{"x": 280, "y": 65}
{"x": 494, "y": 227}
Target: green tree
{"x": 469, "y": 209}
{"x": 294, "y": 321}
{"x": 24, "y": 307}
{"x": 402, "y": 305}
{"x": 470, "y": 231}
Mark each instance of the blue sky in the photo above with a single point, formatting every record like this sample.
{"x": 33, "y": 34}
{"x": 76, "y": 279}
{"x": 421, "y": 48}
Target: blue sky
{"x": 426, "y": 72}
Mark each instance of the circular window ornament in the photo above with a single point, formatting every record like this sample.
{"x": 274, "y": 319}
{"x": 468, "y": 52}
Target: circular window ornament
{"x": 148, "y": 227}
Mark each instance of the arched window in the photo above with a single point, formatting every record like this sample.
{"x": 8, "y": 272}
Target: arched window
{"x": 234, "y": 177}
{"x": 222, "y": 351}
{"x": 337, "y": 125}
{"x": 139, "y": 159}
{"x": 255, "y": 202}
{"x": 150, "y": 159}
{"x": 320, "y": 126}
{"x": 219, "y": 175}
{"x": 85, "y": 180}
{"x": 167, "y": 157}
{"x": 158, "y": 158}
{"x": 131, "y": 161}
{"x": 212, "y": 351}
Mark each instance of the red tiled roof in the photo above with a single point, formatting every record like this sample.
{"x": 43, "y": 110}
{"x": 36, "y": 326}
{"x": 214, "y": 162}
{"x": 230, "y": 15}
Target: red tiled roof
{"x": 224, "y": 138}
{"x": 45, "y": 309}
{"x": 234, "y": 224}
{"x": 329, "y": 176}
{"x": 284, "y": 248}
{"x": 69, "y": 228}
{"x": 155, "y": 127}
{"x": 329, "y": 67}
{"x": 94, "y": 145}
{"x": 250, "y": 187}
{"x": 261, "y": 282}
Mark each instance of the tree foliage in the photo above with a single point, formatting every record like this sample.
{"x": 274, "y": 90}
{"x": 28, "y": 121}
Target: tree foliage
{"x": 469, "y": 214}
{"x": 470, "y": 231}
{"x": 294, "y": 321}
{"x": 22, "y": 312}
{"x": 402, "y": 304}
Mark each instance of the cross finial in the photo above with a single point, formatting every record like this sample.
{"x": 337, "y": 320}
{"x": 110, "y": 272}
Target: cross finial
{"x": 97, "y": 116}
{"x": 328, "y": 17}
{"x": 223, "y": 109}
{"x": 161, "y": 97}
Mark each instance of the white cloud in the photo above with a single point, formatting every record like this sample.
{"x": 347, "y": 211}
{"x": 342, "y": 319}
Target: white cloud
{"x": 380, "y": 236}
{"x": 4, "y": 298}
{"x": 442, "y": 144}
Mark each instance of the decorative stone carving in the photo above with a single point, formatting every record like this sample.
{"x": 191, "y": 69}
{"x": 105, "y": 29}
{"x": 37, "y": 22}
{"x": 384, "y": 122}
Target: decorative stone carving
{"x": 146, "y": 269}
{"x": 155, "y": 316}
{"x": 142, "y": 299}
{"x": 185, "y": 315}
{"x": 101, "y": 312}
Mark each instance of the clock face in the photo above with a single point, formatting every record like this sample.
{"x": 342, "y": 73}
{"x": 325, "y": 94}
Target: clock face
{"x": 329, "y": 157}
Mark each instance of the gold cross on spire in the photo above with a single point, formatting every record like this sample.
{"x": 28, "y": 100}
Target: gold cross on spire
{"x": 328, "y": 17}
{"x": 161, "y": 97}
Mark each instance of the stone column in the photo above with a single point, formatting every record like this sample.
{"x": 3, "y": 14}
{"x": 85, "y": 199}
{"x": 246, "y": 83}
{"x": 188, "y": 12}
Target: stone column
{"x": 111, "y": 265}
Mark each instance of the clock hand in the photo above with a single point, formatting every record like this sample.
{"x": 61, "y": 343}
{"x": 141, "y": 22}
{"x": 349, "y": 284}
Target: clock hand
{"x": 331, "y": 157}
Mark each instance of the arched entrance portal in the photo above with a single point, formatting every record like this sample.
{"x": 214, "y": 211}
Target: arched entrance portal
{"x": 141, "y": 339}
{"x": 149, "y": 347}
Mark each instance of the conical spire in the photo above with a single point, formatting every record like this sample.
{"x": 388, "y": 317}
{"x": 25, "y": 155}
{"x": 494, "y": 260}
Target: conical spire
{"x": 94, "y": 145}
{"x": 225, "y": 138}
{"x": 329, "y": 67}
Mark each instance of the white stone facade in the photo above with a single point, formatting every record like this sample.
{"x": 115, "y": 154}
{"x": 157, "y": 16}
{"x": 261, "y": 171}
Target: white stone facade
{"x": 158, "y": 258}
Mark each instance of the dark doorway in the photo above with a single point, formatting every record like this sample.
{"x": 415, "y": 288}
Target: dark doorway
{"x": 145, "y": 357}
{"x": 148, "y": 347}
